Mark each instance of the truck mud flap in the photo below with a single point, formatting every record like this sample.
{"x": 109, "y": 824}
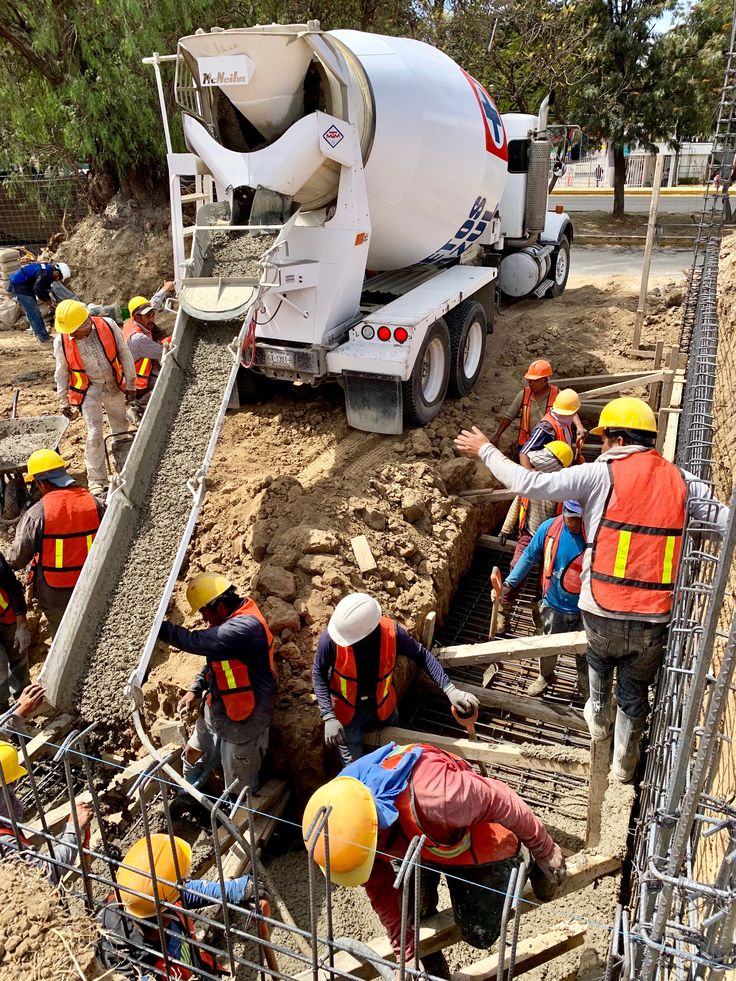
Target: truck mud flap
{"x": 374, "y": 403}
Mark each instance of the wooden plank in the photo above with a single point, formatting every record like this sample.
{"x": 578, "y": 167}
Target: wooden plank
{"x": 430, "y": 622}
{"x": 673, "y": 423}
{"x": 362, "y": 552}
{"x": 238, "y": 862}
{"x": 666, "y": 397}
{"x": 577, "y": 763}
{"x": 655, "y": 390}
{"x": 530, "y": 953}
{"x": 642, "y": 379}
{"x": 583, "y": 380}
{"x": 49, "y": 739}
{"x": 600, "y": 763}
{"x": 489, "y": 494}
{"x": 530, "y": 708}
{"x": 513, "y": 649}
{"x": 493, "y": 541}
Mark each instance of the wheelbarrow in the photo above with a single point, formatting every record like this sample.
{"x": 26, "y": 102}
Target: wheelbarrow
{"x": 18, "y": 439}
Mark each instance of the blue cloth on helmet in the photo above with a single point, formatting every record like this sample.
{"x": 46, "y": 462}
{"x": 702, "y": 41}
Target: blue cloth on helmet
{"x": 574, "y": 507}
{"x": 385, "y": 785}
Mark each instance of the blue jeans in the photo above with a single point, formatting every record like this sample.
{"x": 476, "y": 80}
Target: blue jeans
{"x": 30, "y": 308}
{"x": 365, "y": 718}
{"x": 558, "y": 622}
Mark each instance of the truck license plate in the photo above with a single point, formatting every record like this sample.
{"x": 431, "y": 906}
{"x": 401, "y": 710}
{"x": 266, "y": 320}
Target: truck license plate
{"x": 283, "y": 359}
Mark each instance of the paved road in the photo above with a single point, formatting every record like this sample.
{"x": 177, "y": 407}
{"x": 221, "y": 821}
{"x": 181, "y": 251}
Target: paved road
{"x": 636, "y": 204}
{"x": 611, "y": 260}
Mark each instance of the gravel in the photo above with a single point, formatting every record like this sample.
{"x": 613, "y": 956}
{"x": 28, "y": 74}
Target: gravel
{"x": 238, "y": 255}
{"x": 134, "y": 600}
{"x": 20, "y": 437}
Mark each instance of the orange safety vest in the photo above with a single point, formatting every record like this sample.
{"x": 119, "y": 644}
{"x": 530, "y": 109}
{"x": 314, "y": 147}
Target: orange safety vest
{"x": 344, "y": 681}
{"x": 570, "y": 577}
{"x": 525, "y": 426}
{"x": 6, "y": 611}
{"x": 477, "y": 844}
{"x": 637, "y": 545}
{"x": 232, "y": 678}
{"x": 70, "y": 523}
{"x": 78, "y": 377}
{"x": 143, "y": 366}
{"x": 563, "y": 433}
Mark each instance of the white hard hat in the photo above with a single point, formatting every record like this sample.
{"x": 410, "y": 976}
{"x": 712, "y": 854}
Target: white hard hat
{"x": 64, "y": 270}
{"x": 355, "y": 616}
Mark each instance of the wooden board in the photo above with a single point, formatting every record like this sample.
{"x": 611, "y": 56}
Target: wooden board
{"x": 493, "y": 541}
{"x": 430, "y": 622}
{"x": 507, "y": 754}
{"x": 513, "y": 649}
{"x": 49, "y": 739}
{"x": 600, "y": 763}
{"x": 489, "y": 494}
{"x": 529, "y": 707}
{"x": 529, "y": 953}
{"x": 362, "y": 552}
{"x": 647, "y": 378}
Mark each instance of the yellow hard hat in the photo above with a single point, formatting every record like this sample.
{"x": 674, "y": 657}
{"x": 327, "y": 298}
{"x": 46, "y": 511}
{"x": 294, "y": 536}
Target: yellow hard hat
{"x": 136, "y": 302}
{"x": 626, "y": 413}
{"x": 42, "y": 462}
{"x": 567, "y": 402}
{"x": 205, "y": 588}
{"x": 166, "y": 853}
{"x": 12, "y": 770}
{"x": 561, "y": 450}
{"x": 352, "y": 826}
{"x": 70, "y": 315}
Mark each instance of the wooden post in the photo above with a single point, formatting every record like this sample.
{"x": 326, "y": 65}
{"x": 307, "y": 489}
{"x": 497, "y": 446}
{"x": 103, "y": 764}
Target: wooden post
{"x": 428, "y": 630}
{"x": 600, "y": 762}
{"x": 641, "y": 308}
{"x": 665, "y": 401}
{"x": 656, "y": 387}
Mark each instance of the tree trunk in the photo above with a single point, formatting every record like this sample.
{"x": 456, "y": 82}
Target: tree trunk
{"x": 619, "y": 180}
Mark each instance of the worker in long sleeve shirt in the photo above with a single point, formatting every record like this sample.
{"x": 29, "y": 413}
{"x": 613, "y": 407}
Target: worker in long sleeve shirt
{"x": 15, "y": 637}
{"x": 352, "y": 674}
{"x": 94, "y": 372}
{"x": 33, "y": 282}
{"x": 238, "y": 683}
{"x": 555, "y": 425}
{"x": 145, "y": 350}
{"x": 558, "y": 546}
{"x": 634, "y": 508}
{"x": 473, "y": 826}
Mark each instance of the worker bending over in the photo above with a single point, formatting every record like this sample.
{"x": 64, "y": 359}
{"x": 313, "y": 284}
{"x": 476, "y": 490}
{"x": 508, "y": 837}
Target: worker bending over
{"x": 55, "y": 534}
{"x": 558, "y": 547}
{"x": 473, "y": 826}
{"x": 131, "y": 939}
{"x": 634, "y": 508}
{"x": 15, "y": 637}
{"x": 554, "y": 425}
{"x": 353, "y": 672}
{"x": 33, "y": 282}
{"x": 94, "y": 371}
{"x": 145, "y": 350}
{"x": 237, "y": 684}
{"x": 532, "y": 403}
{"x": 525, "y": 516}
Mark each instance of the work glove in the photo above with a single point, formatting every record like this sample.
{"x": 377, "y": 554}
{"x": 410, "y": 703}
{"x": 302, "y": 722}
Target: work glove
{"x": 553, "y": 873}
{"x": 503, "y": 538}
{"x": 334, "y": 732}
{"x": 22, "y": 638}
{"x": 462, "y": 701}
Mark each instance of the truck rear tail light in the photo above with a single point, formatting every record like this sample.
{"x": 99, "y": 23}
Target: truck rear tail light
{"x": 401, "y": 334}
{"x": 384, "y": 334}
{"x": 368, "y": 332}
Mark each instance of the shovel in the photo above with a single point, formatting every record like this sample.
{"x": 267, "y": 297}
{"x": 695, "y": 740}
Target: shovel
{"x": 496, "y": 586}
{"x": 265, "y": 934}
{"x": 468, "y": 723}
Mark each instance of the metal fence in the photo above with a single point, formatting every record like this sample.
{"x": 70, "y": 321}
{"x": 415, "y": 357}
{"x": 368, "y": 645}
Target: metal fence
{"x": 33, "y": 209}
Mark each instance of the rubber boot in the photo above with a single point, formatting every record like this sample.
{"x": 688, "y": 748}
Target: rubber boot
{"x": 599, "y": 723}
{"x": 583, "y": 680}
{"x": 546, "y": 675}
{"x": 537, "y": 617}
{"x": 626, "y": 746}
{"x": 504, "y": 612}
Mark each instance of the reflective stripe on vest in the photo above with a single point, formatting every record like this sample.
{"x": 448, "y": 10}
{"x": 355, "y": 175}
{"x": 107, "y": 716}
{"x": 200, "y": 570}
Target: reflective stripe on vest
{"x": 143, "y": 366}
{"x": 6, "y": 611}
{"x": 344, "y": 680}
{"x": 525, "y": 426}
{"x": 637, "y": 545}
{"x": 70, "y": 523}
{"x": 523, "y": 513}
{"x": 570, "y": 575}
{"x": 563, "y": 433}
{"x": 78, "y": 377}
{"x": 231, "y": 677}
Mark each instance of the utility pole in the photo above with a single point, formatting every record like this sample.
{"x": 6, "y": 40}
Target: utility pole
{"x": 651, "y": 227}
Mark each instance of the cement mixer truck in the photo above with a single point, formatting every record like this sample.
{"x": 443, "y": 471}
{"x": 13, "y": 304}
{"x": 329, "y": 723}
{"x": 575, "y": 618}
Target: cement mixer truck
{"x": 358, "y": 200}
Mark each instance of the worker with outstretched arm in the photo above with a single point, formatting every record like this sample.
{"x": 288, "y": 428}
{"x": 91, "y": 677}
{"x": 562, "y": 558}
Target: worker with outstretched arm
{"x": 554, "y": 425}
{"x": 146, "y": 351}
{"x": 473, "y": 827}
{"x": 33, "y": 282}
{"x": 131, "y": 938}
{"x": 634, "y": 508}
{"x": 557, "y": 546}
{"x": 94, "y": 372}
{"x": 532, "y": 403}
{"x": 237, "y": 685}
{"x": 55, "y": 534}
{"x": 15, "y": 637}
{"x": 353, "y": 671}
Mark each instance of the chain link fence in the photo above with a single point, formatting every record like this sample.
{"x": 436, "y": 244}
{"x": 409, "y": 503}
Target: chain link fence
{"x": 35, "y": 209}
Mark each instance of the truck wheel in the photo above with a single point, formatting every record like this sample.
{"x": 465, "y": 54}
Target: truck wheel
{"x": 252, "y": 387}
{"x": 468, "y": 331}
{"x": 560, "y": 269}
{"x": 425, "y": 391}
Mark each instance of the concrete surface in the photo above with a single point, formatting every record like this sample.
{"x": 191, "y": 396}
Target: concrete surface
{"x": 618, "y": 260}
{"x": 634, "y": 203}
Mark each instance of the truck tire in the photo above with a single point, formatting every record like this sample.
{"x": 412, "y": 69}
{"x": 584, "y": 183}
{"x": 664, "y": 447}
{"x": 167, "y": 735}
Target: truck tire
{"x": 252, "y": 387}
{"x": 560, "y": 269}
{"x": 425, "y": 391}
{"x": 468, "y": 332}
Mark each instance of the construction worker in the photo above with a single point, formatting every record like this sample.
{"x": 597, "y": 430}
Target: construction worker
{"x": 94, "y": 371}
{"x": 532, "y": 403}
{"x": 131, "y": 937}
{"x": 12, "y": 840}
{"x": 473, "y": 826}
{"x": 146, "y": 351}
{"x": 55, "y": 534}
{"x": 237, "y": 684}
{"x": 634, "y": 505}
{"x": 31, "y": 283}
{"x": 15, "y": 637}
{"x": 554, "y": 425}
{"x": 558, "y": 545}
{"x": 353, "y": 671}
{"x": 525, "y": 516}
